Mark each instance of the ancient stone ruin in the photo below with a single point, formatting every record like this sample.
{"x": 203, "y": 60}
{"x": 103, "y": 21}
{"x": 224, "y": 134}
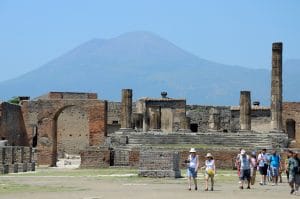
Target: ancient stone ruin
{"x": 152, "y": 134}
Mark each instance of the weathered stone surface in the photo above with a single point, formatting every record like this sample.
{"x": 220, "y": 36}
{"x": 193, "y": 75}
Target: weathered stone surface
{"x": 245, "y": 110}
{"x": 95, "y": 157}
{"x": 126, "y": 109}
{"x": 276, "y": 87}
{"x": 159, "y": 164}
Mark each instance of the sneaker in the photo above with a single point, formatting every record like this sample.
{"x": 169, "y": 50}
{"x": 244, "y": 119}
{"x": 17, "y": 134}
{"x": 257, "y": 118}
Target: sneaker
{"x": 248, "y": 187}
{"x": 292, "y": 191}
{"x": 261, "y": 183}
{"x": 241, "y": 187}
{"x": 196, "y": 188}
{"x": 273, "y": 184}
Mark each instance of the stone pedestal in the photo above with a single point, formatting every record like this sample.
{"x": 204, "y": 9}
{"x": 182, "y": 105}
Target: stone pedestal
{"x": 245, "y": 111}
{"x": 214, "y": 120}
{"x": 276, "y": 89}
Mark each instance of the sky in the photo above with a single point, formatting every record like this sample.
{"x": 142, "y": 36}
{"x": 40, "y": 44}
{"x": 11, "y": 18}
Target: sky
{"x": 235, "y": 32}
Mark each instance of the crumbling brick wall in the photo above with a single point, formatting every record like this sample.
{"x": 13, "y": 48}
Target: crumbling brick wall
{"x": 291, "y": 111}
{"x": 95, "y": 157}
{"x": 44, "y": 113}
{"x": 12, "y": 126}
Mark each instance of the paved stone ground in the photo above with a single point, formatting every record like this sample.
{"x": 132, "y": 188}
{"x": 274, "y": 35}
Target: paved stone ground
{"x": 127, "y": 186}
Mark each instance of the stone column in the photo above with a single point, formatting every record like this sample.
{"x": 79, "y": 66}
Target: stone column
{"x": 214, "y": 119}
{"x": 276, "y": 89}
{"x": 126, "y": 109}
{"x": 138, "y": 121}
{"x": 155, "y": 120}
{"x": 185, "y": 124}
{"x": 245, "y": 110}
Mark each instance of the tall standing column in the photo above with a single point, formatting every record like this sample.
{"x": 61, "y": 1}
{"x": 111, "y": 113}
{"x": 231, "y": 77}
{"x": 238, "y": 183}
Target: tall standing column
{"x": 245, "y": 110}
{"x": 276, "y": 90}
{"x": 126, "y": 109}
{"x": 214, "y": 119}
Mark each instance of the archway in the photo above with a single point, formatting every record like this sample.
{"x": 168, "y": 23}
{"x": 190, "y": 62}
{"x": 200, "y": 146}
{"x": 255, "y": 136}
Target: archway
{"x": 291, "y": 128}
{"x": 72, "y": 133}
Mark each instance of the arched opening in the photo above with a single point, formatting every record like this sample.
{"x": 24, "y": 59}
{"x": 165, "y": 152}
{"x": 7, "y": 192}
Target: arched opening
{"x": 194, "y": 127}
{"x": 71, "y": 135}
{"x": 291, "y": 128}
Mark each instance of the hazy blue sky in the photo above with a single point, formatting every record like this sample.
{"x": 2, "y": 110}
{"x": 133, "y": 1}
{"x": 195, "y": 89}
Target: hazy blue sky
{"x": 237, "y": 32}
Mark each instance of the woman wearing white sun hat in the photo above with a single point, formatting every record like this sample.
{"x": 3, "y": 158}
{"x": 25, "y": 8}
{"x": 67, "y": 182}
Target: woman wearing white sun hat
{"x": 210, "y": 170}
{"x": 193, "y": 164}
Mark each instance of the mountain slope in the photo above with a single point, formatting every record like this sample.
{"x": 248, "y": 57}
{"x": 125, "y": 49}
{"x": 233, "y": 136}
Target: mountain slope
{"x": 148, "y": 64}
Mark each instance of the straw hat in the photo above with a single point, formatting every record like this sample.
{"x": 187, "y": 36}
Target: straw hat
{"x": 208, "y": 155}
{"x": 193, "y": 150}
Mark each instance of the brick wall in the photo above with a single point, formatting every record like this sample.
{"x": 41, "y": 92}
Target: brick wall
{"x": 12, "y": 126}
{"x": 54, "y": 118}
{"x": 291, "y": 111}
{"x": 95, "y": 157}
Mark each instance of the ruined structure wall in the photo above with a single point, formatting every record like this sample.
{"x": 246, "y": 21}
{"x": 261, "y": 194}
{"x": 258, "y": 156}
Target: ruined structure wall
{"x": 12, "y": 125}
{"x": 200, "y": 115}
{"x": 229, "y": 117}
{"x": 45, "y": 114}
{"x": 291, "y": 111}
{"x": 72, "y": 131}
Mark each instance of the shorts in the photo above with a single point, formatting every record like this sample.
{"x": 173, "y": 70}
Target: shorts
{"x": 209, "y": 175}
{"x": 245, "y": 174}
{"x": 191, "y": 172}
{"x": 263, "y": 170}
{"x": 274, "y": 171}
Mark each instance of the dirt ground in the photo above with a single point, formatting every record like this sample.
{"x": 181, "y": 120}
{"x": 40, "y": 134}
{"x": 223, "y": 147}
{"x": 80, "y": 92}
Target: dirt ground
{"x": 89, "y": 185}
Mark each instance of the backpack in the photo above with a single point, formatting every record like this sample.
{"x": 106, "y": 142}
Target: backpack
{"x": 297, "y": 167}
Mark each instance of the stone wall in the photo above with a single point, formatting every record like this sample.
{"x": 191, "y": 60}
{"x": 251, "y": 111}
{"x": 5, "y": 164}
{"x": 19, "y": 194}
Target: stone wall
{"x": 72, "y": 131}
{"x": 291, "y": 116}
{"x": 12, "y": 126}
{"x": 14, "y": 159}
{"x": 53, "y": 120}
{"x": 159, "y": 164}
{"x": 200, "y": 116}
{"x": 95, "y": 157}
{"x": 229, "y": 117}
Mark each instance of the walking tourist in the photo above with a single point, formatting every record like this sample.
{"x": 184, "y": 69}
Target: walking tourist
{"x": 274, "y": 167}
{"x": 210, "y": 171}
{"x": 193, "y": 164}
{"x": 263, "y": 166}
{"x": 292, "y": 168}
{"x": 253, "y": 167}
{"x": 245, "y": 169}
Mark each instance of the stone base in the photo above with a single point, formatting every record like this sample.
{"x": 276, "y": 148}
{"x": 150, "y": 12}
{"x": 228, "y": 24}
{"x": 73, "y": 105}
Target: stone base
{"x": 124, "y": 130}
{"x": 276, "y": 131}
{"x": 160, "y": 173}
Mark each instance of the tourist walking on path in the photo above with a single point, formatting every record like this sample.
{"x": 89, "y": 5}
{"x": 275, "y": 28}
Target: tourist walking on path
{"x": 275, "y": 167}
{"x": 253, "y": 167}
{"x": 210, "y": 171}
{"x": 237, "y": 164}
{"x": 245, "y": 169}
{"x": 263, "y": 166}
{"x": 193, "y": 165}
{"x": 292, "y": 168}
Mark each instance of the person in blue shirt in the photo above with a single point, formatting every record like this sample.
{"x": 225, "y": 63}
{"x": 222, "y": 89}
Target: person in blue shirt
{"x": 275, "y": 166}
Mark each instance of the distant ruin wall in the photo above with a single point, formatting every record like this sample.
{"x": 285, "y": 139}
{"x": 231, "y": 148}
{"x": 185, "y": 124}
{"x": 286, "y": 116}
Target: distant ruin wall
{"x": 159, "y": 164}
{"x": 12, "y": 126}
{"x": 95, "y": 157}
{"x": 14, "y": 159}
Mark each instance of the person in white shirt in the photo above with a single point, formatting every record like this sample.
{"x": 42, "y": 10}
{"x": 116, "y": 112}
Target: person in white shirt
{"x": 210, "y": 171}
{"x": 193, "y": 164}
{"x": 262, "y": 160}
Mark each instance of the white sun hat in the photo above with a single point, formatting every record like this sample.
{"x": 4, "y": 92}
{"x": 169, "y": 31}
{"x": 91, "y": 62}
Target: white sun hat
{"x": 193, "y": 150}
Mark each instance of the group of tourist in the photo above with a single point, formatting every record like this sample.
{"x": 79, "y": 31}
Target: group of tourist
{"x": 269, "y": 166}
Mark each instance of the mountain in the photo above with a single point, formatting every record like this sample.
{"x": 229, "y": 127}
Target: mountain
{"x": 148, "y": 64}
